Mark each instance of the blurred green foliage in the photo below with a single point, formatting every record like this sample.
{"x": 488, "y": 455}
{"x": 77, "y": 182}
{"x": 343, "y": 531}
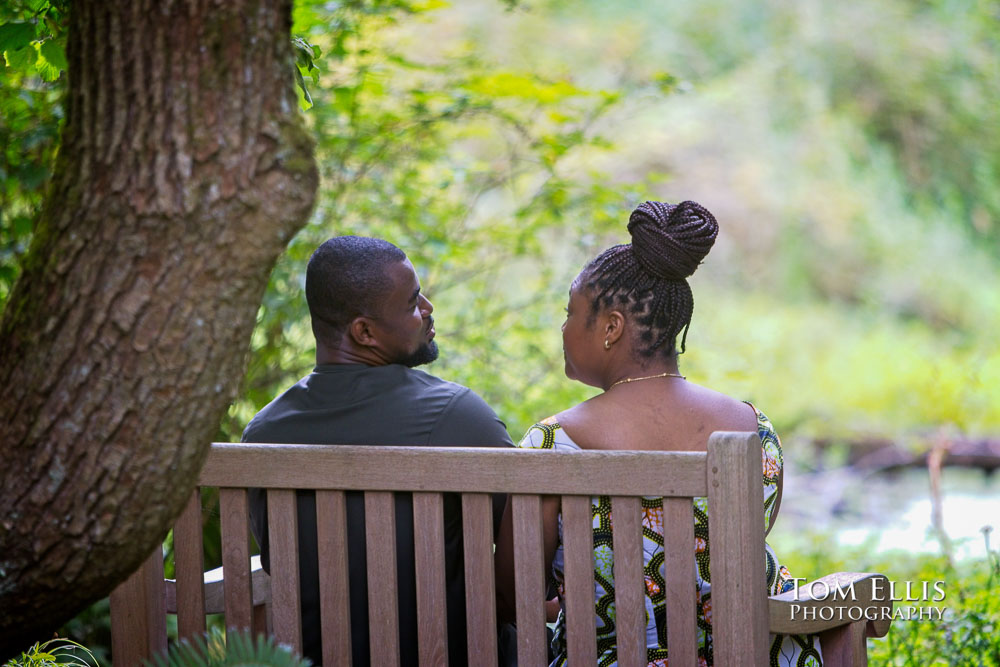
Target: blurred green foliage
{"x": 850, "y": 295}
{"x": 965, "y": 634}
{"x": 32, "y": 38}
{"x": 472, "y": 167}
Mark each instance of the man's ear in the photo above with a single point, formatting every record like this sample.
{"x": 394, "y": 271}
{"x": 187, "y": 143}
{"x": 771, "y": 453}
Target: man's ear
{"x": 360, "y": 331}
{"x": 614, "y": 326}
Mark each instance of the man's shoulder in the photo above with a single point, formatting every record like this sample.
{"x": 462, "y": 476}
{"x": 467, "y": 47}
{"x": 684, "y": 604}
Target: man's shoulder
{"x": 465, "y": 419}
{"x": 424, "y": 380}
{"x": 263, "y": 424}
{"x": 457, "y": 398}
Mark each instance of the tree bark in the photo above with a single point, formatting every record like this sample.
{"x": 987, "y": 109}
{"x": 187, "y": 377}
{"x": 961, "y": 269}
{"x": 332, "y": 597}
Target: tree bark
{"x": 183, "y": 173}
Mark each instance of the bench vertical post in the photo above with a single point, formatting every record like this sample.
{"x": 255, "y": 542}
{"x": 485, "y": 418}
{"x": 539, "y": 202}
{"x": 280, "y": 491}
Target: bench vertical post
{"x": 529, "y": 579}
{"x": 282, "y": 526}
{"x": 139, "y": 610}
{"x": 480, "y": 591}
{"x": 432, "y": 594}
{"x": 578, "y": 548}
{"x": 383, "y": 610}
{"x": 736, "y": 520}
{"x": 680, "y": 572}
{"x": 334, "y": 589}
{"x": 235, "y": 532}
{"x": 189, "y": 564}
{"x": 630, "y": 582}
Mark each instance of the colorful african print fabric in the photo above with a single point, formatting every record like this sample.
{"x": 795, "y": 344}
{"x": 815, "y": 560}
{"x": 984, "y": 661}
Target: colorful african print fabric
{"x": 785, "y": 650}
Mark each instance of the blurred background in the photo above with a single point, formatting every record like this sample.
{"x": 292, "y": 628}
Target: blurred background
{"x": 851, "y": 154}
{"x": 850, "y": 151}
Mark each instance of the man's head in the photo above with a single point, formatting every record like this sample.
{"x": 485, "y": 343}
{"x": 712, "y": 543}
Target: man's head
{"x": 366, "y": 306}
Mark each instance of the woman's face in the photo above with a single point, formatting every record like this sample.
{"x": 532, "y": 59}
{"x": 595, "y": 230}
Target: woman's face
{"x": 582, "y": 343}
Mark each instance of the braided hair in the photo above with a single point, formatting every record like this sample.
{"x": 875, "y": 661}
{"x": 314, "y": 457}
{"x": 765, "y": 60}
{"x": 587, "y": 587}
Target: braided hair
{"x": 648, "y": 276}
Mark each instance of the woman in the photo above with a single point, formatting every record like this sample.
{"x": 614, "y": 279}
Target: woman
{"x": 626, "y": 310}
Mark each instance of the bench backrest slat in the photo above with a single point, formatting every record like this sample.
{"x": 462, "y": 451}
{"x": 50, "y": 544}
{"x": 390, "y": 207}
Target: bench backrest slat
{"x": 283, "y": 536}
{"x": 736, "y": 516}
{"x": 189, "y": 562}
{"x": 138, "y": 611}
{"x": 334, "y": 586}
{"x": 462, "y": 470}
{"x": 235, "y": 532}
{"x": 529, "y": 579}
{"x": 480, "y": 588}
{"x": 428, "y": 555}
{"x": 380, "y": 542}
{"x": 679, "y": 580}
{"x": 630, "y": 600}
{"x": 578, "y": 550}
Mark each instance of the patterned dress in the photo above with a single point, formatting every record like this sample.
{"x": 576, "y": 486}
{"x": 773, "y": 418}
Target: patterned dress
{"x": 785, "y": 650}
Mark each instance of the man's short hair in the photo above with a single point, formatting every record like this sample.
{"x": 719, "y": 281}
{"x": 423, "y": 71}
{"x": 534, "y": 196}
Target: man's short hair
{"x": 347, "y": 276}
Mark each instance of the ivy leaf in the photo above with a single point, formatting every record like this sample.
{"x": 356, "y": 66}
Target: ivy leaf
{"x": 16, "y": 35}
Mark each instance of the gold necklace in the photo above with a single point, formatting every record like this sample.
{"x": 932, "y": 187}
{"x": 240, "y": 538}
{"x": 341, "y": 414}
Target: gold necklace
{"x": 649, "y": 377}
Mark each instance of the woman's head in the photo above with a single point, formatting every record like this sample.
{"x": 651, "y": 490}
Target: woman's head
{"x": 646, "y": 279}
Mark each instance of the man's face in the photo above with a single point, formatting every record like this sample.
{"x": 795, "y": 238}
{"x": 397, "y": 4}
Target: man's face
{"x": 404, "y": 325}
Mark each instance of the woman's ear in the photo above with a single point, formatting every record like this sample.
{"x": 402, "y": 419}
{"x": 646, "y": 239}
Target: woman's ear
{"x": 614, "y": 326}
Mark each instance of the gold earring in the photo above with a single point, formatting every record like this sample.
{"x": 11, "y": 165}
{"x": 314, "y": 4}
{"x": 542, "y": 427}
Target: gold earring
{"x": 607, "y": 344}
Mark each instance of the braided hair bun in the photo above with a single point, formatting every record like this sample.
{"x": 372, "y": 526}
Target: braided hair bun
{"x": 648, "y": 276}
{"x": 670, "y": 241}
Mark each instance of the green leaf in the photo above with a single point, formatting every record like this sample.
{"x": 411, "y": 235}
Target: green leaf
{"x": 305, "y": 99}
{"x": 14, "y": 36}
{"x": 22, "y": 58}
{"x": 54, "y": 53}
{"x": 46, "y": 69}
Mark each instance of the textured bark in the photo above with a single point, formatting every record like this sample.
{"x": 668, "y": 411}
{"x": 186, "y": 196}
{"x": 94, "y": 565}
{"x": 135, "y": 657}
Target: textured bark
{"x": 183, "y": 173}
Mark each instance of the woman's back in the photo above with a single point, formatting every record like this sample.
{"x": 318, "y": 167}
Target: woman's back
{"x": 666, "y": 413}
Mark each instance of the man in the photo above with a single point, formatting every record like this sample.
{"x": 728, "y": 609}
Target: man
{"x": 372, "y": 326}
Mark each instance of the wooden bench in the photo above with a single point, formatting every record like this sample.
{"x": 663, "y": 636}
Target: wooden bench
{"x": 729, "y": 474}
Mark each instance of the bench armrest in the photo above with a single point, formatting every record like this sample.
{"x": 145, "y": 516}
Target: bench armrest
{"x": 260, "y": 583}
{"x": 833, "y": 601}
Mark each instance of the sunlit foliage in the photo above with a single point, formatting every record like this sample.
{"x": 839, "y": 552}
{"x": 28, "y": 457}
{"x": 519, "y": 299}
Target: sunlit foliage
{"x": 502, "y": 144}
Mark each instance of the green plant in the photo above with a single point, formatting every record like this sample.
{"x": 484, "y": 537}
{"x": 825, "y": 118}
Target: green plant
{"x": 215, "y": 648}
{"x": 56, "y": 651}
{"x": 963, "y": 629}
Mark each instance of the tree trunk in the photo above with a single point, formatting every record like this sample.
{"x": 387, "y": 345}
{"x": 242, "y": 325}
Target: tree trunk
{"x": 183, "y": 173}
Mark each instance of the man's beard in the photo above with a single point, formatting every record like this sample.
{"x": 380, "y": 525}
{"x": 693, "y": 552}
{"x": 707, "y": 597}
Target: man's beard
{"x": 424, "y": 354}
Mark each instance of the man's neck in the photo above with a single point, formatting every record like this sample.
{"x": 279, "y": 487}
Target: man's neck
{"x": 326, "y": 354}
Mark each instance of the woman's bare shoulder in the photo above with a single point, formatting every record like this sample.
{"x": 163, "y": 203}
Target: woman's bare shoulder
{"x": 728, "y": 413}
{"x": 587, "y": 422}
